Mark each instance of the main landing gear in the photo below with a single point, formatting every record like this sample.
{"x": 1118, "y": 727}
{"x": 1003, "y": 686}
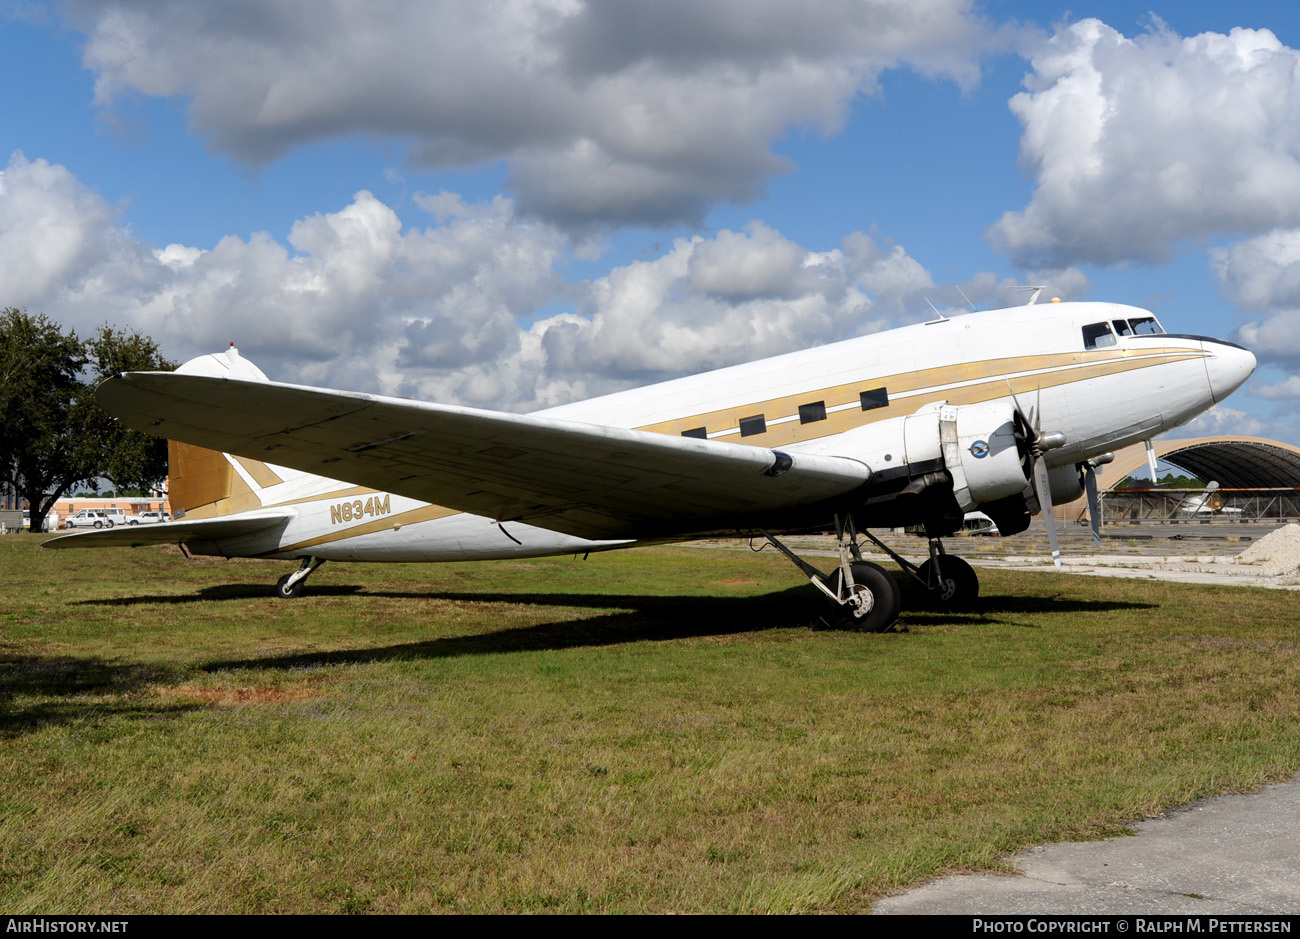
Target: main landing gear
{"x": 290, "y": 585}
{"x": 865, "y": 597}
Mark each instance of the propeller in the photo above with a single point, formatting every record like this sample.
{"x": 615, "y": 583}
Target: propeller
{"x": 1035, "y": 444}
{"x": 1089, "y": 470}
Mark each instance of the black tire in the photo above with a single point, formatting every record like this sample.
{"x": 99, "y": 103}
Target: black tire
{"x": 133, "y": 522}
{"x": 960, "y": 588}
{"x": 98, "y": 523}
{"x": 887, "y": 600}
{"x": 285, "y": 591}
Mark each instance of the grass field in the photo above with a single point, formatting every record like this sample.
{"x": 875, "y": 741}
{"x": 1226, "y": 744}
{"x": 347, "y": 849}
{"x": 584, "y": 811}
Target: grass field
{"x": 644, "y": 731}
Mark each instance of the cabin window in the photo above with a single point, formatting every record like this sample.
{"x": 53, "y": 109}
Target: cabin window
{"x": 700, "y": 432}
{"x": 875, "y": 398}
{"x": 1146, "y": 327}
{"x": 810, "y": 413}
{"x": 749, "y": 426}
{"x": 1098, "y": 335}
{"x": 1121, "y": 327}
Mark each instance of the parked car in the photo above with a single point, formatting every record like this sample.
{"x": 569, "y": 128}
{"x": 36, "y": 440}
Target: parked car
{"x": 151, "y": 518}
{"x": 89, "y": 518}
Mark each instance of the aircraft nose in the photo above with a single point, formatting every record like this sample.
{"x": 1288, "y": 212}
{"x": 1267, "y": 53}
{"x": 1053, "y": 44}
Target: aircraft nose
{"x": 1228, "y": 366}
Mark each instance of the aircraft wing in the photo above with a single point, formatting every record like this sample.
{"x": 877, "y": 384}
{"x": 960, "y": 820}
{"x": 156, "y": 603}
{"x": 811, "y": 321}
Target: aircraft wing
{"x": 134, "y": 536}
{"x": 589, "y": 480}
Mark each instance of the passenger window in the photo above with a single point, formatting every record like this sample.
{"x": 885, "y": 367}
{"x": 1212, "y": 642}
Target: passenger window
{"x": 875, "y": 398}
{"x": 749, "y": 426}
{"x": 809, "y": 413}
{"x": 1097, "y": 335}
{"x": 1121, "y": 326}
{"x": 700, "y": 432}
{"x": 1146, "y": 327}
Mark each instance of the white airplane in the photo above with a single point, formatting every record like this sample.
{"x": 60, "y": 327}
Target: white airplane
{"x": 1004, "y": 412}
{"x": 1208, "y": 503}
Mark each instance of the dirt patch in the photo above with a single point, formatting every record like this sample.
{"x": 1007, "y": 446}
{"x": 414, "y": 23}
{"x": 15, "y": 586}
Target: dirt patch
{"x": 233, "y": 697}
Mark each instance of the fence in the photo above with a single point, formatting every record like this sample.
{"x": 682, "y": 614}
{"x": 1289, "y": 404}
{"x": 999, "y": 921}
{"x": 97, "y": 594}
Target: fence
{"x": 1175, "y": 506}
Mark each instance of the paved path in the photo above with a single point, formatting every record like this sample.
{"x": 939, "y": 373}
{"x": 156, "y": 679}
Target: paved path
{"x": 1235, "y": 854}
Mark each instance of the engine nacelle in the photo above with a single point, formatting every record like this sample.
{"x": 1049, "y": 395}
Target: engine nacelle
{"x": 981, "y": 452}
{"x": 1066, "y": 484}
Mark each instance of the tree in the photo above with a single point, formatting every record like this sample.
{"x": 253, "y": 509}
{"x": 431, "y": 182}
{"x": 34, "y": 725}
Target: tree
{"x": 53, "y": 434}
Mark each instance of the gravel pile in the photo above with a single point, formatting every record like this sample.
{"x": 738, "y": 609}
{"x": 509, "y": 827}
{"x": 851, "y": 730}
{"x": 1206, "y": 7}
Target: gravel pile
{"x": 1276, "y": 553}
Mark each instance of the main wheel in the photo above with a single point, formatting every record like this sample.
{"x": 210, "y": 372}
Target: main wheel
{"x": 882, "y": 609}
{"x": 99, "y": 524}
{"x": 959, "y": 587}
{"x": 286, "y": 591}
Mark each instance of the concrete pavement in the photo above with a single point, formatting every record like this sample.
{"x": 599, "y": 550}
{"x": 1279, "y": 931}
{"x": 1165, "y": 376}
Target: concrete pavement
{"x": 1236, "y": 854}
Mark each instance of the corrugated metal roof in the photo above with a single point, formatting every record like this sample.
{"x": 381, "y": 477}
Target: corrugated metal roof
{"x": 1238, "y": 464}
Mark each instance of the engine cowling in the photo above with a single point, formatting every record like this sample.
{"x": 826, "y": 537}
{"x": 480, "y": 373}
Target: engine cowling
{"x": 1066, "y": 483}
{"x": 982, "y": 452}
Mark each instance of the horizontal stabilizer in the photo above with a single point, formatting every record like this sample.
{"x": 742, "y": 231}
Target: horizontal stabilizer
{"x": 201, "y": 529}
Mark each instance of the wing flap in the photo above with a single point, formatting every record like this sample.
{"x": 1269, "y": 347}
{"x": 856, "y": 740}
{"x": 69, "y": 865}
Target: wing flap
{"x": 589, "y": 480}
{"x": 203, "y": 529}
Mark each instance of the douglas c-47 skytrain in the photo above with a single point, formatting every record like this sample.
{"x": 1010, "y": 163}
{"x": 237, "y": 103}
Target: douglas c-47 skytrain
{"x": 1004, "y": 412}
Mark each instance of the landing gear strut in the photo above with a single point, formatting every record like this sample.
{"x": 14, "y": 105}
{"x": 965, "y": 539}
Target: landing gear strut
{"x": 865, "y": 597}
{"x": 950, "y": 583}
{"x": 290, "y": 585}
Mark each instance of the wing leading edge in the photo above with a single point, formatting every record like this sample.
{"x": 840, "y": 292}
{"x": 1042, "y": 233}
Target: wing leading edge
{"x": 590, "y": 480}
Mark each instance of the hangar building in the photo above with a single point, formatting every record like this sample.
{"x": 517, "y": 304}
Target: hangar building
{"x": 1258, "y": 480}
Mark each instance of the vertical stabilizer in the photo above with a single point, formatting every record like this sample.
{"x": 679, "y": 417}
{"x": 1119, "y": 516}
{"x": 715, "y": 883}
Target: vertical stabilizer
{"x": 208, "y": 484}
{"x": 204, "y": 483}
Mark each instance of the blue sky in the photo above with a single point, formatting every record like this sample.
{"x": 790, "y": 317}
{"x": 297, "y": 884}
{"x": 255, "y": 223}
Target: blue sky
{"x": 516, "y": 204}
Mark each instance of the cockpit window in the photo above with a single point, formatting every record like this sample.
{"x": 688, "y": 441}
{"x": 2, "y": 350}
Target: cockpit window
{"x": 1121, "y": 327}
{"x": 1146, "y": 327}
{"x": 1097, "y": 335}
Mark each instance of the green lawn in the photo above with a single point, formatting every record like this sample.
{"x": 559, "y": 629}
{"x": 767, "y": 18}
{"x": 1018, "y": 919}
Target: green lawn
{"x": 646, "y": 731}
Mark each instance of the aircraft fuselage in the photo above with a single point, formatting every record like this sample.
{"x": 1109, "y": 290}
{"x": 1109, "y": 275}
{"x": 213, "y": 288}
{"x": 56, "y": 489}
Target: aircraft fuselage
{"x": 1097, "y": 373}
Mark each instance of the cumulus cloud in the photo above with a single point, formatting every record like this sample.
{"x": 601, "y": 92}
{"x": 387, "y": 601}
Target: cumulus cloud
{"x": 1136, "y": 145}
{"x": 1260, "y": 273}
{"x": 1221, "y": 420}
{"x": 357, "y": 299}
{"x": 606, "y": 111}
{"x": 1287, "y": 389}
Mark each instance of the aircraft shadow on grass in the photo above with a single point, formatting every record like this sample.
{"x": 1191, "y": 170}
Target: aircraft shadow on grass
{"x": 37, "y": 691}
{"x": 646, "y": 619}
{"x": 62, "y": 689}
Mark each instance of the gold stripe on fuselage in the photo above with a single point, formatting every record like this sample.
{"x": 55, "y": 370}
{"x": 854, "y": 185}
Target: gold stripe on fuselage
{"x": 967, "y": 383}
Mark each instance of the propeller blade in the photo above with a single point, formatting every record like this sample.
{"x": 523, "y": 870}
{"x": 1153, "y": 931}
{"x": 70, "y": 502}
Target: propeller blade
{"x": 1094, "y": 502}
{"x": 1037, "y": 443}
{"x": 1019, "y": 410}
{"x": 1044, "y": 488}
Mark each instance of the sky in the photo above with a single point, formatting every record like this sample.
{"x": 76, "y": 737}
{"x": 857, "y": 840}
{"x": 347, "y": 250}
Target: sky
{"x": 518, "y": 203}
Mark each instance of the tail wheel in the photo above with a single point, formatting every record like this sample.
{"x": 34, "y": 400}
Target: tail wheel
{"x": 287, "y": 591}
{"x": 880, "y": 600}
{"x": 957, "y": 589}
